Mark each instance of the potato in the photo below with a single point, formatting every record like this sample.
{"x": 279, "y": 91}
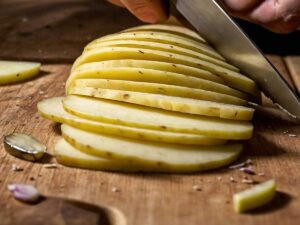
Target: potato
{"x": 67, "y": 155}
{"x": 12, "y": 71}
{"x": 145, "y": 117}
{"x": 161, "y": 47}
{"x": 163, "y": 89}
{"x": 52, "y": 109}
{"x": 160, "y": 157}
{"x": 231, "y": 78}
{"x": 158, "y": 37}
{"x": 254, "y": 197}
{"x": 102, "y": 71}
{"x": 172, "y": 29}
{"x": 162, "y": 66}
{"x": 177, "y": 104}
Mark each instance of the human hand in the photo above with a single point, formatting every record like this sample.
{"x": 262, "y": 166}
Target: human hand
{"x": 149, "y": 11}
{"x": 281, "y": 16}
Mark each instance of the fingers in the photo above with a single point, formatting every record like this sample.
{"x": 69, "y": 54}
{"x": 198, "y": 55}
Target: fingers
{"x": 281, "y": 16}
{"x": 241, "y": 5}
{"x": 149, "y": 11}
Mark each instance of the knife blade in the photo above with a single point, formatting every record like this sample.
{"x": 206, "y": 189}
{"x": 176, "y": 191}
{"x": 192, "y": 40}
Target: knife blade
{"x": 213, "y": 23}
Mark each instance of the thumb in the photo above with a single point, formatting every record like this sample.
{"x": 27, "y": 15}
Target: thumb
{"x": 149, "y": 11}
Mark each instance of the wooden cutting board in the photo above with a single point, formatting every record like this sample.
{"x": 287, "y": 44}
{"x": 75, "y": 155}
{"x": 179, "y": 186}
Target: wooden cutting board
{"x": 141, "y": 199}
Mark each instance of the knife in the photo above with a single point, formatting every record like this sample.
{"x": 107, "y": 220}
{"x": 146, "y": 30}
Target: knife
{"x": 212, "y": 22}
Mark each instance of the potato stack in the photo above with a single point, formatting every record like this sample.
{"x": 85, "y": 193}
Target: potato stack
{"x": 154, "y": 98}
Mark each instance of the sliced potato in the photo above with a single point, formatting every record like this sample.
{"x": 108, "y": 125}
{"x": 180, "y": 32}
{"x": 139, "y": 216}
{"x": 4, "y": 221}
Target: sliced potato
{"x": 163, "y": 89}
{"x": 254, "y": 197}
{"x": 67, "y": 155}
{"x": 171, "y": 103}
{"x": 161, "y": 47}
{"x": 172, "y": 29}
{"x": 12, "y": 71}
{"x": 52, "y": 109}
{"x": 100, "y": 70}
{"x": 231, "y": 78}
{"x": 158, "y": 37}
{"x": 145, "y": 117}
{"x": 163, "y": 66}
{"x": 162, "y": 157}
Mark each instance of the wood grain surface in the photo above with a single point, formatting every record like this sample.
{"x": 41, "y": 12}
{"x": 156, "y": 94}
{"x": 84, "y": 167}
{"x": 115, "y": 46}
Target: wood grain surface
{"x": 293, "y": 64}
{"x": 142, "y": 199}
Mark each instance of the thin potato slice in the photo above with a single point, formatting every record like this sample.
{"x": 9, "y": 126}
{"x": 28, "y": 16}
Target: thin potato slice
{"x": 145, "y": 117}
{"x": 172, "y": 29}
{"x": 12, "y": 71}
{"x": 52, "y": 109}
{"x": 157, "y": 37}
{"x": 67, "y": 155}
{"x": 254, "y": 197}
{"x": 162, "y": 89}
{"x": 162, "y": 66}
{"x": 231, "y": 78}
{"x": 161, "y": 47}
{"x": 177, "y": 104}
{"x": 162, "y": 157}
{"x": 102, "y": 71}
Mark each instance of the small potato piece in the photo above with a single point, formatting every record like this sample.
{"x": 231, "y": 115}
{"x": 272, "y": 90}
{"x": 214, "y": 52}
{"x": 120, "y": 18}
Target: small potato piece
{"x": 146, "y": 117}
{"x": 13, "y": 72}
{"x": 177, "y": 104}
{"x": 167, "y": 28}
{"x": 52, "y": 109}
{"x": 161, "y": 47}
{"x": 254, "y": 197}
{"x": 231, "y": 78}
{"x": 162, "y": 89}
{"x": 160, "y": 37}
{"x": 160, "y": 157}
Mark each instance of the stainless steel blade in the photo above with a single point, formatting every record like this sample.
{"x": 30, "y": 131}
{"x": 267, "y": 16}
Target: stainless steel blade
{"x": 217, "y": 27}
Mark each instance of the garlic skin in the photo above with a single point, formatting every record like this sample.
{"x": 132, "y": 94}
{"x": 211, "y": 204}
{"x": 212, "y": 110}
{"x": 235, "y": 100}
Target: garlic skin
{"x": 24, "y": 192}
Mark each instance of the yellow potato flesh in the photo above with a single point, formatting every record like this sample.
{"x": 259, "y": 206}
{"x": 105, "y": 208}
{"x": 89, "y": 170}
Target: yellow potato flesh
{"x": 161, "y": 47}
{"x": 67, "y": 155}
{"x": 145, "y": 117}
{"x": 163, "y": 89}
{"x": 231, "y": 78}
{"x": 160, "y": 157}
{"x": 52, "y": 109}
{"x": 178, "y": 104}
{"x": 172, "y": 29}
{"x": 99, "y": 70}
{"x": 160, "y": 66}
{"x": 13, "y": 71}
{"x": 159, "y": 37}
{"x": 254, "y": 197}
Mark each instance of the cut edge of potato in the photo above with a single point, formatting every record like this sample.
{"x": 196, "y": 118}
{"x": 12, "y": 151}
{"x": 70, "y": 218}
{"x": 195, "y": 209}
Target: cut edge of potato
{"x": 17, "y": 71}
{"x": 231, "y": 78}
{"x": 175, "y": 29}
{"x": 161, "y": 47}
{"x": 162, "y": 89}
{"x": 158, "y": 119}
{"x": 53, "y": 110}
{"x": 177, "y": 158}
{"x": 170, "y": 103}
